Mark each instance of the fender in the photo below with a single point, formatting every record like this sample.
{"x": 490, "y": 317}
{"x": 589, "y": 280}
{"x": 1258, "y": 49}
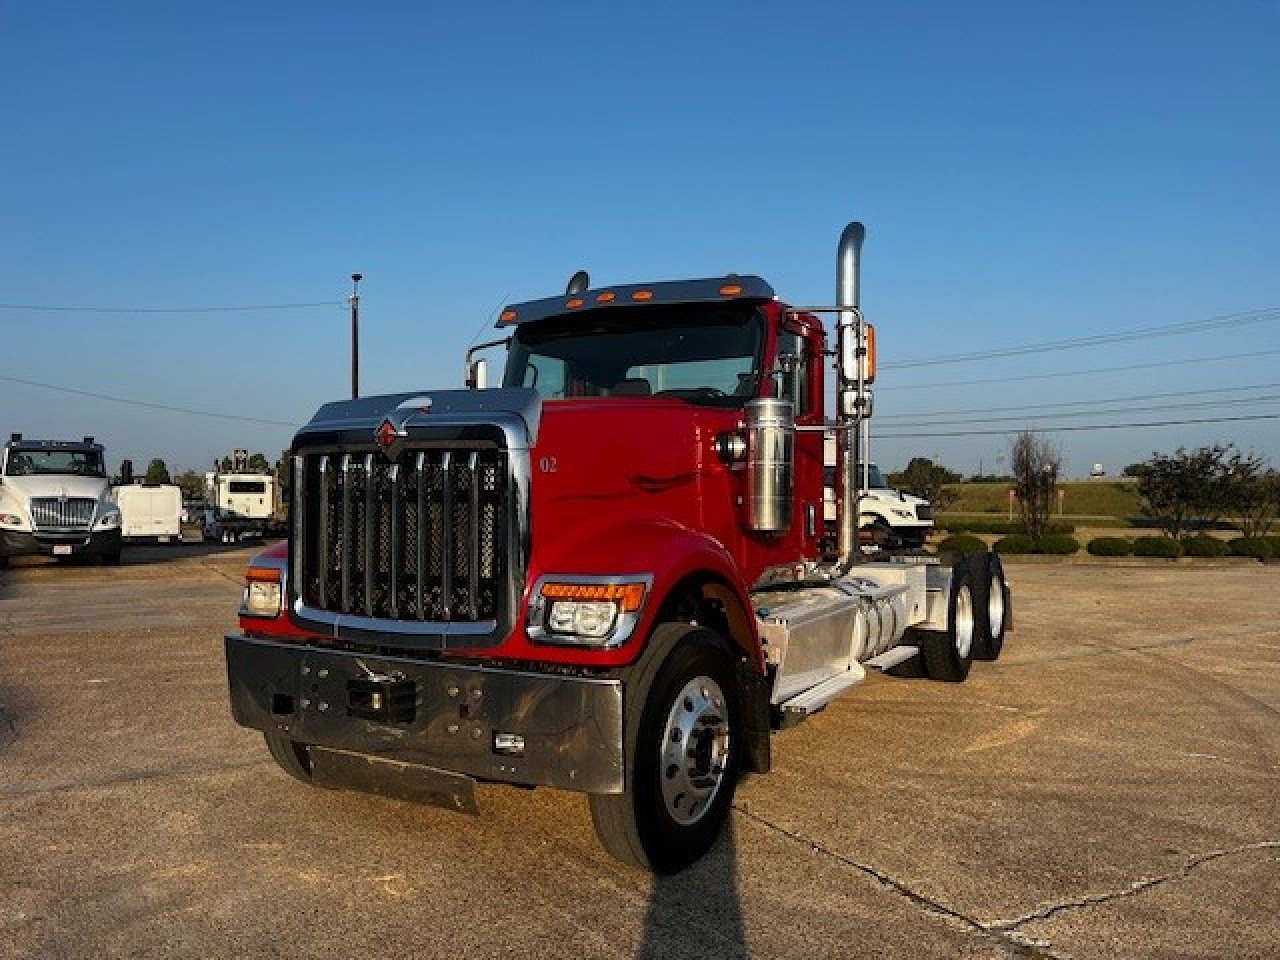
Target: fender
{"x": 644, "y": 543}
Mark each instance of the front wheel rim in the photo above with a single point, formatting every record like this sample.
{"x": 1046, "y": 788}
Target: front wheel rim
{"x": 693, "y": 756}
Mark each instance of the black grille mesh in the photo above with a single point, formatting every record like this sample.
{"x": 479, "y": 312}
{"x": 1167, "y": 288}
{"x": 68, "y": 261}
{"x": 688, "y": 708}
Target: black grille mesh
{"x": 418, "y": 537}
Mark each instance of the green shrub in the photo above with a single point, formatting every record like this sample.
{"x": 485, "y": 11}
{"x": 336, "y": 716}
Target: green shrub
{"x": 1259, "y": 548}
{"x": 1059, "y": 544}
{"x": 997, "y": 527}
{"x": 1013, "y": 543}
{"x": 1110, "y": 547}
{"x": 962, "y": 543}
{"x": 1204, "y": 546}
{"x": 1156, "y": 547}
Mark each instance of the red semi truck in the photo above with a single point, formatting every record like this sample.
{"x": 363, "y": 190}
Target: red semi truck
{"x": 603, "y": 575}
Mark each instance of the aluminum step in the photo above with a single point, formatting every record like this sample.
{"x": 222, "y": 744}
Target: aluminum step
{"x": 892, "y": 657}
{"x": 809, "y": 702}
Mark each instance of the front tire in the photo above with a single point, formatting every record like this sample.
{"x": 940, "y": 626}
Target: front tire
{"x": 682, "y": 758}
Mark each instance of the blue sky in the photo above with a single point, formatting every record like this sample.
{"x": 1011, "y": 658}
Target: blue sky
{"x": 1027, "y": 172}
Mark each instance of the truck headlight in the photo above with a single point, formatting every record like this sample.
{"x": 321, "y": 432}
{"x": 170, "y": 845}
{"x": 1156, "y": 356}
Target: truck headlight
{"x": 13, "y": 521}
{"x": 590, "y": 618}
{"x": 261, "y": 592}
{"x": 108, "y": 521}
{"x": 596, "y": 612}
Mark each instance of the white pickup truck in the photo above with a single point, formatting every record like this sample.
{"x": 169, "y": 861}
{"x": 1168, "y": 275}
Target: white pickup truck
{"x": 893, "y": 518}
{"x": 54, "y": 500}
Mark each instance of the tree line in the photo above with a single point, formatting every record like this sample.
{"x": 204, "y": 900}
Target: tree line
{"x": 1183, "y": 492}
{"x": 192, "y": 481}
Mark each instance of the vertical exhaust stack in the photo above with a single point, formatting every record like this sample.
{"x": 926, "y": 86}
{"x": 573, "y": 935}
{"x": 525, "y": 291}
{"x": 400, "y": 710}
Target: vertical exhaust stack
{"x": 850, "y": 391}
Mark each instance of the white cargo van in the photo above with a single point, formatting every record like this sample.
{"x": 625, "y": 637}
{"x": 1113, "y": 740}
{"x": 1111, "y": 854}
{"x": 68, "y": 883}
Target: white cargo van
{"x": 150, "y": 512}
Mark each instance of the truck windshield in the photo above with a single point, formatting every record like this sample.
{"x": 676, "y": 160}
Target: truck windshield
{"x": 876, "y": 481}
{"x": 27, "y": 463}
{"x": 703, "y": 353}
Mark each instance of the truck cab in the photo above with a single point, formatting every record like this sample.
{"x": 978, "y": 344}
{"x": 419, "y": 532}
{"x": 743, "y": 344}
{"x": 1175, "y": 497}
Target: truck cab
{"x": 603, "y": 575}
{"x": 54, "y": 500}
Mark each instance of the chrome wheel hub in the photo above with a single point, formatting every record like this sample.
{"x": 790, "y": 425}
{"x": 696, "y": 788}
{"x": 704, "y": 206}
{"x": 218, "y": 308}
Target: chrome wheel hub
{"x": 964, "y": 622}
{"x": 694, "y": 751}
{"x": 995, "y": 606}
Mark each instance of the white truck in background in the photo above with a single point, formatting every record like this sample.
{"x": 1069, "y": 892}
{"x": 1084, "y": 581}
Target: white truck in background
{"x": 239, "y": 505}
{"x": 54, "y": 501}
{"x": 149, "y": 512}
{"x": 893, "y": 519}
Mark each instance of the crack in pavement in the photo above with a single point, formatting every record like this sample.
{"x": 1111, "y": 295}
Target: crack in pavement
{"x": 1138, "y": 886}
{"x": 1004, "y": 933}
{"x": 1013, "y": 945}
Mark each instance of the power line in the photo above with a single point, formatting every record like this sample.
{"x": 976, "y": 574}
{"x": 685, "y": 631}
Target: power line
{"x": 1078, "y": 373}
{"x": 142, "y": 403}
{"x": 1092, "y": 413}
{"x": 245, "y": 308}
{"x": 1076, "y": 403}
{"x": 1096, "y": 340}
{"x": 1080, "y": 426}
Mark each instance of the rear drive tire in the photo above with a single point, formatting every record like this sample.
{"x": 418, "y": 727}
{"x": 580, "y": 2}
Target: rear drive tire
{"x": 990, "y": 609}
{"x": 949, "y": 654}
{"x": 290, "y": 756}
{"x": 681, "y": 759}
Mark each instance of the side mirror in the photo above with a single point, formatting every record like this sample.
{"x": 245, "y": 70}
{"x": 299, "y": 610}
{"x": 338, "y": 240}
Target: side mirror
{"x": 851, "y": 358}
{"x": 478, "y": 375}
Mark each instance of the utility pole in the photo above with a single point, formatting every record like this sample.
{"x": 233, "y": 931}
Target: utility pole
{"x": 355, "y": 333}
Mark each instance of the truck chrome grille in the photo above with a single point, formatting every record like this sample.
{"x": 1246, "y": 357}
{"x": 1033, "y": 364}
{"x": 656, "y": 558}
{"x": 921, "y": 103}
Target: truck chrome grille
{"x": 62, "y": 513}
{"x": 422, "y": 536}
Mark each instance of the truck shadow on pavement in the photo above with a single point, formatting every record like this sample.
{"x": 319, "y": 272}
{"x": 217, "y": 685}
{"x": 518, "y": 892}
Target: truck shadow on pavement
{"x": 698, "y": 912}
{"x": 8, "y": 718}
{"x": 147, "y": 554}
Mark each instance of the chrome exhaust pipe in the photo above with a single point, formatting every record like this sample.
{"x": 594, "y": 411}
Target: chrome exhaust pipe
{"x": 849, "y": 391}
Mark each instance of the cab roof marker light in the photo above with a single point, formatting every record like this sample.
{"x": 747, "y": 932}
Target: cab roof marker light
{"x": 607, "y": 297}
{"x": 508, "y": 316}
{"x": 574, "y": 304}
{"x": 642, "y": 295}
{"x": 730, "y": 290}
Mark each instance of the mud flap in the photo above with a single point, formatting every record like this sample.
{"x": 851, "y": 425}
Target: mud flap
{"x": 754, "y": 689}
{"x": 396, "y": 779}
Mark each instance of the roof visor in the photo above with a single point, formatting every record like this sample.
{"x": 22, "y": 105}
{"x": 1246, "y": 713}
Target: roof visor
{"x": 709, "y": 290}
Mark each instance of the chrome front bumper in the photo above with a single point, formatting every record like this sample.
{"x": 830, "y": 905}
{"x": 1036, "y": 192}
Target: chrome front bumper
{"x": 466, "y": 720}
